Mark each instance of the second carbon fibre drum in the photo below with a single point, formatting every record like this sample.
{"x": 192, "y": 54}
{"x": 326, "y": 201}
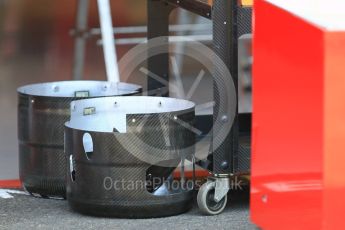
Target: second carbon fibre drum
{"x": 42, "y": 111}
{"x": 122, "y": 152}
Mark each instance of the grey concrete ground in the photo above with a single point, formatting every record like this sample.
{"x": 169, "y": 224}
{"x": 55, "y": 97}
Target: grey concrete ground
{"x": 25, "y": 212}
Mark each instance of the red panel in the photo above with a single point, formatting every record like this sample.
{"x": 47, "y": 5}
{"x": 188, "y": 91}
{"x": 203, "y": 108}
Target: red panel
{"x": 287, "y": 121}
{"x": 334, "y": 160}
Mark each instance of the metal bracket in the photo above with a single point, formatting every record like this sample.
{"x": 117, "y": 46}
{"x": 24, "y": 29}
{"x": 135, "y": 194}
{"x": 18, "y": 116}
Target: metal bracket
{"x": 222, "y": 188}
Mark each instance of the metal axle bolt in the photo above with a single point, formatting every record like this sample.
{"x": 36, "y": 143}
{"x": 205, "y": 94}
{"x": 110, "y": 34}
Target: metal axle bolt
{"x": 224, "y": 165}
{"x": 224, "y": 118}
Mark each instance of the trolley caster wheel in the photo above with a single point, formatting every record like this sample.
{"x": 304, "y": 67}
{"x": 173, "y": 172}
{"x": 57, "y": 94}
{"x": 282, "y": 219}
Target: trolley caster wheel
{"x": 206, "y": 202}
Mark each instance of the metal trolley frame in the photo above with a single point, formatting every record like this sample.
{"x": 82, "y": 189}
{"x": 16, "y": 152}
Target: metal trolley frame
{"x": 230, "y": 21}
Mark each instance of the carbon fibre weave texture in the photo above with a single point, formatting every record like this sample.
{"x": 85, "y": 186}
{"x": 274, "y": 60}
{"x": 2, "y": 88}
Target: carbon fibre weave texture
{"x": 224, "y": 48}
{"x": 42, "y": 163}
{"x": 124, "y": 158}
{"x": 244, "y": 20}
{"x": 241, "y": 19}
{"x": 40, "y": 133}
{"x": 243, "y": 158}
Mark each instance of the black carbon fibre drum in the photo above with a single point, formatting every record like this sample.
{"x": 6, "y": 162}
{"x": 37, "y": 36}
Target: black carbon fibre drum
{"x": 42, "y": 111}
{"x": 121, "y": 153}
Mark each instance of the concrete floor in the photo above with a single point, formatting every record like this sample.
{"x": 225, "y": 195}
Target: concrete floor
{"x": 26, "y": 212}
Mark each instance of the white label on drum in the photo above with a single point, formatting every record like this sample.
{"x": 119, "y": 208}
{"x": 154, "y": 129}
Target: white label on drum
{"x": 89, "y": 111}
{"x": 82, "y": 94}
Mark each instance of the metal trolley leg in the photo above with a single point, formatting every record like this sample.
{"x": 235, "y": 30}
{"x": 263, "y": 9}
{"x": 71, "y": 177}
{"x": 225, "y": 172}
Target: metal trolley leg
{"x": 229, "y": 23}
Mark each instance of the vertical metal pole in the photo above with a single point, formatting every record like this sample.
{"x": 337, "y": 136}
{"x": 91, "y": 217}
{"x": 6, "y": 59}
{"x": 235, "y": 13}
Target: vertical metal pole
{"x": 158, "y": 26}
{"x": 182, "y": 173}
{"x": 193, "y": 165}
{"x": 80, "y": 40}
{"x": 109, "y": 51}
{"x": 225, "y": 39}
